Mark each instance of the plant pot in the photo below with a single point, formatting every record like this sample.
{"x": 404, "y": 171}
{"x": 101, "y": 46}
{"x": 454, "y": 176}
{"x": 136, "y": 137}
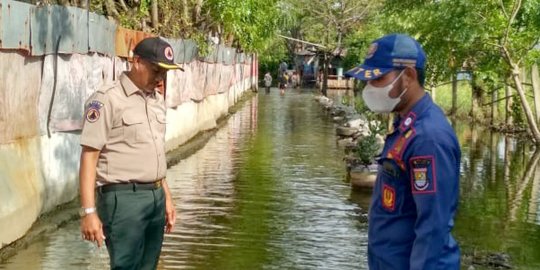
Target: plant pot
{"x": 363, "y": 177}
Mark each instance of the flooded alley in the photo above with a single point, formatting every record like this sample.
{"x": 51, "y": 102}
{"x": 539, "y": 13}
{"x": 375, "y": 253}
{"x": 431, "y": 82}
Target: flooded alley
{"x": 269, "y": 191}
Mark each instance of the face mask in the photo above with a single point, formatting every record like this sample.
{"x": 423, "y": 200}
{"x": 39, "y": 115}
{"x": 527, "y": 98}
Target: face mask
{"x": 377, "y": 99}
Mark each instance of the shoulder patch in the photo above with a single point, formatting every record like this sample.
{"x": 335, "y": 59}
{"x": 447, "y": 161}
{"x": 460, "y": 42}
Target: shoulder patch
{"x": 423, "y": 175}
{"x": 93, "y": 111}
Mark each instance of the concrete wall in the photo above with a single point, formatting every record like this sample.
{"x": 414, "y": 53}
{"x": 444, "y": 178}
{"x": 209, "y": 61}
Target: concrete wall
{"x": 39, "y": 139}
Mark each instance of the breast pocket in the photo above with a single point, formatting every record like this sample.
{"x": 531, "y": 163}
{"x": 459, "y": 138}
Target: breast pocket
{"x": 161, "y": 123}
{"x": 132, "y": 126}
{"x": 392, "y": 185}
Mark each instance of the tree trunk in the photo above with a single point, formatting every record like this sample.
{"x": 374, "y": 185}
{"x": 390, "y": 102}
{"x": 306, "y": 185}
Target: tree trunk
{"x": 509, "y": 120}
{"x": 535, "y": 78}
{"x": 111, "y": 9}
{"x": 494, "y": 106}
{"x": 122, "y": 5}
{"x": 476, "y": 100}
{"x": 185, "y": 11}
{"x": 525, "y": 104}
{"x": 493, "y": 156}
{"x": 533, "y": 128}
{"x": 325, "y": 74}
{"x": 154, "y": 11}
{"x": 196, "y": 16}
{"x": 453, "y": 111}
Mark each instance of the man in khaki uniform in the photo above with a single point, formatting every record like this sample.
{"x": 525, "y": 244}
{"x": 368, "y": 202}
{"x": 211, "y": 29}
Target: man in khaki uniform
{"x": 123, "y": 154}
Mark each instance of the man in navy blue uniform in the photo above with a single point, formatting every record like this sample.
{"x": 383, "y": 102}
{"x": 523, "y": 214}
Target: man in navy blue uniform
{"x": 417, "y": 189}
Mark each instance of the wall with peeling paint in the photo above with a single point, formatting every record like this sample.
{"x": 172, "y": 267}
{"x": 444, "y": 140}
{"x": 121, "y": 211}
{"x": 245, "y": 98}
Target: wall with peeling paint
{"x": 41, "y": 107}
{"x": 52, "y": 58}
{"x": 39, "y": 146}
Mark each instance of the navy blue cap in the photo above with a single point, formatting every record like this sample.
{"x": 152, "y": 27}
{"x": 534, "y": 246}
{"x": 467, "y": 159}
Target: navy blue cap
{"x": 390, "y": 52}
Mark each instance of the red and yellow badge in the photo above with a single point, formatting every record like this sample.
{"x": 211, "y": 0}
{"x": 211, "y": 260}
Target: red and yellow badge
{"x": 93, "y": 111}
{"x": 423, "y": 178}
{"x": 388, "y": 197}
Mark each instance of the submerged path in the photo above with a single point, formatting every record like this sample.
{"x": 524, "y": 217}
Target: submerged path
{"x": 267, "y": 191}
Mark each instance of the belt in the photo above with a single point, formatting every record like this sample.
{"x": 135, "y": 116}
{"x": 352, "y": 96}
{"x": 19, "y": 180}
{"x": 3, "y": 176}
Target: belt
{"x": 134, "y": 186}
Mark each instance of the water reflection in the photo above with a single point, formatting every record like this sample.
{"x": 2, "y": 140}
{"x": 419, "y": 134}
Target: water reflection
{"x": 269, "y": 195}
{"x": 499, "y": 207}
{"x": 268, "y": 192}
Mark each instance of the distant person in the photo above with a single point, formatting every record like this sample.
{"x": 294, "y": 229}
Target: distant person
{"x": 295, "y": 80}
{"x": 123, "y": 162}
{"x": 283, "y": 66}
{"x": 267, "y": 81}
{"x": 416, "y": 193}
{"x": 285, "y": 80}
{"x": 283, "y": 83}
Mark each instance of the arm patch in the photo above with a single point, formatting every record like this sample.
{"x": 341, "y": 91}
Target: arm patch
{"x": 93, "y": 111}
{"x": 423, "y": 175}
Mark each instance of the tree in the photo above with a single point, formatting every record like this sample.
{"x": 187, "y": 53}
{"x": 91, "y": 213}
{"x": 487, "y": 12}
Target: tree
{"x": 323, "y": 22}
{"x": 247, "y": 24}
{"x": 491, "y": 38}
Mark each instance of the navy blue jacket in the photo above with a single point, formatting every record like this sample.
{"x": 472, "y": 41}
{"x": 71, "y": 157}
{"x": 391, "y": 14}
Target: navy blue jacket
{"x": 416, "y": 194}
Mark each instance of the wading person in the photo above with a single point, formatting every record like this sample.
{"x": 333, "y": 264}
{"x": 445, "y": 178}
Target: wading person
{"x": 123, "y": 162}
{"x": 416, "y": 192}
{"x": 267, "y": 81}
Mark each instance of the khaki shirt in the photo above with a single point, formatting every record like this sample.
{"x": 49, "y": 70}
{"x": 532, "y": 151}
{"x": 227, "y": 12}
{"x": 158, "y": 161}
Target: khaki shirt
{"x": 128, "y": 127}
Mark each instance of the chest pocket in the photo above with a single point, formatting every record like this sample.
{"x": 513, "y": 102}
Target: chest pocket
{"x": 161, "y": 123}
{"x": 393, "y": 185}
{"x": 133, "y": 127}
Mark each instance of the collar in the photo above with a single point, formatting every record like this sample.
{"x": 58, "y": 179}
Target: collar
{"x": 130, "y": 88}
{"x": 405, "y": 123}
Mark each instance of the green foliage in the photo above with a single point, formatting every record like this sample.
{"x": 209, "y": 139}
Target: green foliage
{"x": 358, "y": 44}
{"x": 270, "y": 57}
{"x": 367, "y": 148}
{"x": 465, "y": 34}
{"x": 251, "y": 22}
{"x": 246, "y": 24}
{"x": 443, "y": 97}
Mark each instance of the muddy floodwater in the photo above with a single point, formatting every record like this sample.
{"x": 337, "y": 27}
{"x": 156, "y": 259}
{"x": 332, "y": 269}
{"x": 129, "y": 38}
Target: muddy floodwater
{"x": 269, "y": 191}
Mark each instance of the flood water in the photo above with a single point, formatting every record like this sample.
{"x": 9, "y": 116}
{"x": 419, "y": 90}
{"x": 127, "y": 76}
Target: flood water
{"x": 269, "y": 191}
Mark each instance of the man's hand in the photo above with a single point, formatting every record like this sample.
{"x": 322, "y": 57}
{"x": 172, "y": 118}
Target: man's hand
{"x": 91, "y": 229}
{"x": 90, "y": 224}
{"x": 170, "y": 214}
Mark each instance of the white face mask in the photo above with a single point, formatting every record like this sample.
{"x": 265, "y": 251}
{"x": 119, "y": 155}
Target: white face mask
{"x": 377, "y": 99}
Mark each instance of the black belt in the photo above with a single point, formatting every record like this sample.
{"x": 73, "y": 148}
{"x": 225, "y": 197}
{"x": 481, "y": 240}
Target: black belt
{"x": 130, "y": 186}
